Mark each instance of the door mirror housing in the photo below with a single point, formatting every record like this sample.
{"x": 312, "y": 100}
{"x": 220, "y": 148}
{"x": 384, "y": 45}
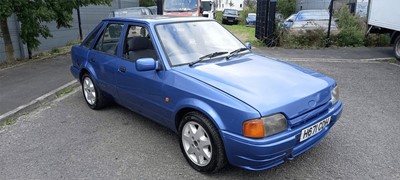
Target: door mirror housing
{"x": 248, "y": 45}
{"x": 146, "y": 64}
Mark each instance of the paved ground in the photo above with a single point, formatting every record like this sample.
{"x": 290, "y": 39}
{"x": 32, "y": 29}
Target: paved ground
{"x": 22, "y": 84}
{"x": 67, "y": 140}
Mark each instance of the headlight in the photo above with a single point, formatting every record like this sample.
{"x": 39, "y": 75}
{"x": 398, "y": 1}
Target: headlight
{"x": 265, "y": 126}
{"x": 335, "y": 94}
{"x": 195, "y": 14}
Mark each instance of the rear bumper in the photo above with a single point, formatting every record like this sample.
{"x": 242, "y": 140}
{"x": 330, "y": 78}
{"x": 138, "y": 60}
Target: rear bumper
{"x": 74, "y": 71}
{"x": 260, "y": 154}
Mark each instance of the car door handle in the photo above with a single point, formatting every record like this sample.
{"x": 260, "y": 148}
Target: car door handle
{"x": 122, "y": 69}
{"x": 92, "y": 59}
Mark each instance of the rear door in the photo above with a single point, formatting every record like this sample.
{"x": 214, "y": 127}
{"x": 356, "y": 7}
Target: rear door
{"x": 103, "y": 57}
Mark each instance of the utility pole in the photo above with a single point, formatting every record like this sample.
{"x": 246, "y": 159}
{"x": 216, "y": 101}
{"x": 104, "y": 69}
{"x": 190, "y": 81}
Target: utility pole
{"x": 328, "y": 38}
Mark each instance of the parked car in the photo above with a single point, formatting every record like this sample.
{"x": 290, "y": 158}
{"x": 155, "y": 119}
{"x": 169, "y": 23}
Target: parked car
{"x": 132, "y": 11}
{"x": 251, "y": 19}
{"x": 309, "y": 20}
{"x": 227, "y": 104}
{"x": 230, "y": 16}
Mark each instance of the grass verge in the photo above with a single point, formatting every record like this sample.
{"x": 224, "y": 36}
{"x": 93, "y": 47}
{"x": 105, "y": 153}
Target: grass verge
{"x": 65, "y": 92}
{"x": 245, "y": 34}
{"x": 8, "y": 122}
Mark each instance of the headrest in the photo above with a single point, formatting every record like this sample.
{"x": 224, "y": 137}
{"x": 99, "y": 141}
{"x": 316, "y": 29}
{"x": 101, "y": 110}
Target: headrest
{"x": 139, "y": 43}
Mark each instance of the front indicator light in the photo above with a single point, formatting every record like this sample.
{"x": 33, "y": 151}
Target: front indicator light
{"x": 265, "y": 126}
{"x": 254, "y": 128}
{"x": 335, "y": 95}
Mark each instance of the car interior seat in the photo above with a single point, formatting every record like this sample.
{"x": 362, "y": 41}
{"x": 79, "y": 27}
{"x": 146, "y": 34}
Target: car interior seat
{"x": 140, "y": 47}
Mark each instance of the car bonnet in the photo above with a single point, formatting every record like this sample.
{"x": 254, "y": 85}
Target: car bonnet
{"x": 270, "y": 86}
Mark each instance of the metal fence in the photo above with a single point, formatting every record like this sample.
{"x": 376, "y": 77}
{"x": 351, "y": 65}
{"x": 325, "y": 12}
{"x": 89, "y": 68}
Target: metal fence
{"x": 90, "y": 17}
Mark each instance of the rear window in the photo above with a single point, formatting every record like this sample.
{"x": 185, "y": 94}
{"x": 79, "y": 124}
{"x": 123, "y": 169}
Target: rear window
{"x": 91, "y": 36}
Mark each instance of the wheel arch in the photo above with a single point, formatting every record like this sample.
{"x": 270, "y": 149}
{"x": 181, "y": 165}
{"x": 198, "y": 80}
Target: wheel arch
{"x": 201, "y": 107}
{"x": 87, "y": 70}
{"x": 394, "y": 36}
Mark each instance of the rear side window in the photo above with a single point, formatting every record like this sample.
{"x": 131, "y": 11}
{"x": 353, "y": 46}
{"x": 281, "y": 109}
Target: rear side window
{"x": 109, "y": 39}
{"x": 92, "y": 36}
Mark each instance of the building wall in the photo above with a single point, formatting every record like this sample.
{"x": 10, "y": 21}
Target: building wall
{"x": 90, "y": 17}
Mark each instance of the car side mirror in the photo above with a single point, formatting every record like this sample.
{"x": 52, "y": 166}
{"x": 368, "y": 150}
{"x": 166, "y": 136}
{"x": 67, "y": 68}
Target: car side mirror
{"x": 146, "y": 64}
{"x": 248, "y": 45}
{"x": 290, "y": 20}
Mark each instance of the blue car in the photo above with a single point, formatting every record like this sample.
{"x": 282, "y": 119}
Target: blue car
{"x": 227, "y": 104}
{"x": 251, "y": 19}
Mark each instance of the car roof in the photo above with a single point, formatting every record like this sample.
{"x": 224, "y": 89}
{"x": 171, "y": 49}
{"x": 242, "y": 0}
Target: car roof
{"x": 157, "y": 19}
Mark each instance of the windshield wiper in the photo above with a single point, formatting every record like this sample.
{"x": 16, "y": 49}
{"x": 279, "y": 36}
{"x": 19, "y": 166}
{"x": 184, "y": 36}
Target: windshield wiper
{"x": 235, "y": 52}
{"x": 209, "y": 56}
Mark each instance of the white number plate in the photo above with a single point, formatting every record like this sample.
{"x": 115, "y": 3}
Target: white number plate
{"x": 314, "y": 129}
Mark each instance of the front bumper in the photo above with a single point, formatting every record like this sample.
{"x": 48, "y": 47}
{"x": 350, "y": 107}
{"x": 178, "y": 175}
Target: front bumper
{"x": 260, "y": 154}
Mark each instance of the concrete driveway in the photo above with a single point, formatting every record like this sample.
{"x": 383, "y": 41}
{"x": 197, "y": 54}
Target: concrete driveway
{"x": 67, "y": 140}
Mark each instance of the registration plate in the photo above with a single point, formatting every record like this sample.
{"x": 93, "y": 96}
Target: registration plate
{"x": 314, "y": 129}
{"x": 230, "y": 20}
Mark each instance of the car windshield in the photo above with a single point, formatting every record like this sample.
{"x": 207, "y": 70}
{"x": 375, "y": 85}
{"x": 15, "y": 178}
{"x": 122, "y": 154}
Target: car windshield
{"x": 187, "y": 42}
{"x": 230, "y": 11}
{"x": 251, "y": 16}
{"x": 312, "y": 15}
{"x": 180, "y": 5}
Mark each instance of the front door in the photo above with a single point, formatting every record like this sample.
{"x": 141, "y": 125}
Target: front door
{"x": 141, "y": 91}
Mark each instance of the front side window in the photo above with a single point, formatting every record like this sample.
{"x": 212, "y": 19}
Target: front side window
{"x": 187, "y": 42}
{"x": 108, "y": 41}
{"x": 138, "y": 44}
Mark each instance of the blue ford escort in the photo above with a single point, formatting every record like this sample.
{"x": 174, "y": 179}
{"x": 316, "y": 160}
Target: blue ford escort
{"x": 227, "y": 104}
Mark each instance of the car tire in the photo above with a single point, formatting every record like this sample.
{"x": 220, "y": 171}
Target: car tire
{"x": 91, "y": 93}
{"x": 223, "y": 22}
{"x": 201, "y": 143}
{"x": 396, "y": 48}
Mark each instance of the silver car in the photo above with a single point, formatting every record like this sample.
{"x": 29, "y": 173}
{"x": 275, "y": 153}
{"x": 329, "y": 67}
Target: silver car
{"x": 309, "y": 20}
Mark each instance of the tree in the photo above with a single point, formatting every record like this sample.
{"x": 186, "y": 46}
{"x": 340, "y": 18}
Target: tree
{"x": 286, "y": 7}
{"x": 231, "y": 4}
{"x": 250, "y": 3}
{"x": 5, "y": 12}
{"x": 33, "y": 13}
{"x": 147, "y": 3}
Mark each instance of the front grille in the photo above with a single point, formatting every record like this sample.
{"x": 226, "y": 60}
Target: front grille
{"x": 310, "y": 115}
